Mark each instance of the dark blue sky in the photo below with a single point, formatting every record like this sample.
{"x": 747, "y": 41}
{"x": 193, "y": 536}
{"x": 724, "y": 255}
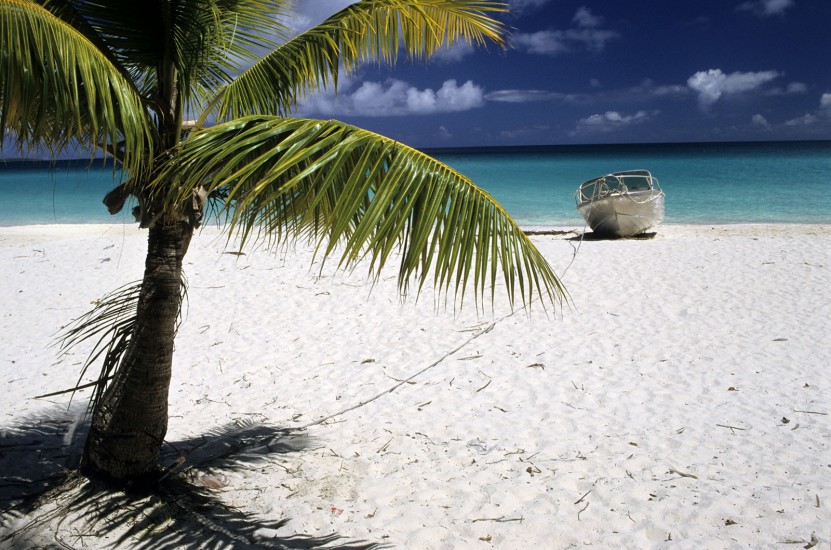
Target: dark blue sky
{"x": 608, "y": 72}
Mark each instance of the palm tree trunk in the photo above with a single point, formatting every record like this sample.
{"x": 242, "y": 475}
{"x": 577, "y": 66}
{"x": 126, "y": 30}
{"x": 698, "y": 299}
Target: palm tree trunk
{"x": 130, "y": 421}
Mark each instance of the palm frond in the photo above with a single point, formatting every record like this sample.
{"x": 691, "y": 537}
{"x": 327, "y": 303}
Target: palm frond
{"x": 339, "y": 184}
{"x": 214, "y": 40}
{"x": 366, "y": 30}
{"x": 57, "y": 88}
{"x": 71, "y": 12}
{"x": 110, "y": 325}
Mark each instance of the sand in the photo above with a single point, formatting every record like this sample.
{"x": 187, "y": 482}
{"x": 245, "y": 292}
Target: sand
{"x": 681, "y": 400}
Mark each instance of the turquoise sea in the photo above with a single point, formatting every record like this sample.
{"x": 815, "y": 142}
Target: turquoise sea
{"x": 705, "y": 183}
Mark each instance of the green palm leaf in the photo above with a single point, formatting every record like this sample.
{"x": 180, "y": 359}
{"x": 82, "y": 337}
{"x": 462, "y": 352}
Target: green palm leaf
{"x": 341, "y": 185}
{"x": 366, "y": 30}
{"x": 57, "y": 88}
{"x": 205, "y": 40}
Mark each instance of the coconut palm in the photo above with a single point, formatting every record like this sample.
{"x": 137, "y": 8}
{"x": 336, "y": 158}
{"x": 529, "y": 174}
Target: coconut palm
{"x": 125, "y": 77}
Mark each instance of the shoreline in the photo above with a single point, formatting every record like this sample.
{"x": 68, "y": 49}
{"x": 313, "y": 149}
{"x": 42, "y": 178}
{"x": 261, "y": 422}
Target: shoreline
{"x": 529, "y": 228}
{"x": 681, "y": 398}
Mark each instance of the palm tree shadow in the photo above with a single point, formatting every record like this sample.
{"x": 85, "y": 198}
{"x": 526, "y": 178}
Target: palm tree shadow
{"x": 45, "y": 500}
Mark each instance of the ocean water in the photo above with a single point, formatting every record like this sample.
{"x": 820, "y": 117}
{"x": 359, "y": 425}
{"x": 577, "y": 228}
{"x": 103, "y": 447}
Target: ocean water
{"x": 705, "y": 183}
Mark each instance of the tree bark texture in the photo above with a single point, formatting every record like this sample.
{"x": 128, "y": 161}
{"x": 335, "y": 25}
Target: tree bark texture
{"x": 130, "y": 422}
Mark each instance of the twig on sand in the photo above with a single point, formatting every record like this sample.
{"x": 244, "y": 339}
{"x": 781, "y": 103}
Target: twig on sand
{"x": 500, "y": 519}
{"x": 682, "y": 474}
{"x": 811, "y": 412}
{"x": 730, "y": 427}
{"x": 485, "y": 386}
{"x": 810, "y": 543}
{"x": 384, "y": 446}
{"x": 402, "y": 382}
{"x": 579, "y": 500}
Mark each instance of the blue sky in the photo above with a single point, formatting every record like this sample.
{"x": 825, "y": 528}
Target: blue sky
{"x": 606, "y": 72}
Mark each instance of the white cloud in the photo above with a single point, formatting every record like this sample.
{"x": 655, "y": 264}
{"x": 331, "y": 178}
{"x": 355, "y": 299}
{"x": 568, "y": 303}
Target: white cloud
{"x": 825, "y": 102}
{"x": 805, "y": 120}
{"x": 556, "y": 42}
{"x": 759, "y": 120}
{"x": 713, "y": 84}
{"x": 765, "y": 8}
{"x": 542, "y": 42}
{"x": 647, "y": 89}
{"x": 397, "y": 98}
{"x": 796, "y": 88}
{"x": 642, "y": 92}
{"x": 586, "y": 35}
{"x": 523, "y": 96}
{"x": 611, "y": 121}
{"x": 458, "y": 98}
{"x": 454, "y": 53}
{"x": 584, "y": 18}
{"x": 669, "y": 90}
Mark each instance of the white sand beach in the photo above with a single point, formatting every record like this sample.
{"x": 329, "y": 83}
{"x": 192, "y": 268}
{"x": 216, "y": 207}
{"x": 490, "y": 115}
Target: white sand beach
{"x": 682, "y": 400}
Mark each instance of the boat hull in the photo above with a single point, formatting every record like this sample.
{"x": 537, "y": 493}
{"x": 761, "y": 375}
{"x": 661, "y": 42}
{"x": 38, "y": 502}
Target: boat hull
{"x": 624, "y": 215}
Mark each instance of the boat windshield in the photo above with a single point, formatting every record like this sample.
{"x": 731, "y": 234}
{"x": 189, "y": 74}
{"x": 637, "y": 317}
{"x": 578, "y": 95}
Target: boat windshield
{"x": 637, "y": 183}
{"x": 630, "y": 180}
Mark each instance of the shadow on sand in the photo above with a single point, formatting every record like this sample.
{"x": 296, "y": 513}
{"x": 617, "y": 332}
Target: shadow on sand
{"x": 592, "y": 236}
{"x": 46, "y": 503}
{"x": 589, "y": 235}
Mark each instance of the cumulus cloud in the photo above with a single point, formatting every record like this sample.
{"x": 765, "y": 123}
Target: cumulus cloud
{"x": 542, "y": 42}
{"x": 584, "y": 18}
{"x": 760, "y": 121}
{"x": 805, "y": 120}
{"x": 794, "y": 88}
{"x": 586, "y": 34}
{"x": 397, "y": 98}
{"x": 765, "y": 8}
{"x": 813, "y": 119}
{"x": 713, "y": 84}
{"x": 611, "y": 121}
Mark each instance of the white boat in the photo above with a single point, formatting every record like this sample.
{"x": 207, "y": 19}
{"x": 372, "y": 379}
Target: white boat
{"x": 621, "y": 204}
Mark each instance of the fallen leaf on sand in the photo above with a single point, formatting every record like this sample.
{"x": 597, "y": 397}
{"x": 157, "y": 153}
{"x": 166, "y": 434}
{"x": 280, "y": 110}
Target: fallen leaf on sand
{"x": 213, "y": 481}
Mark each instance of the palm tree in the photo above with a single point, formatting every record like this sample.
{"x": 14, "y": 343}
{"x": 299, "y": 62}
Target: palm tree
{"x": 124, "y": 77}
